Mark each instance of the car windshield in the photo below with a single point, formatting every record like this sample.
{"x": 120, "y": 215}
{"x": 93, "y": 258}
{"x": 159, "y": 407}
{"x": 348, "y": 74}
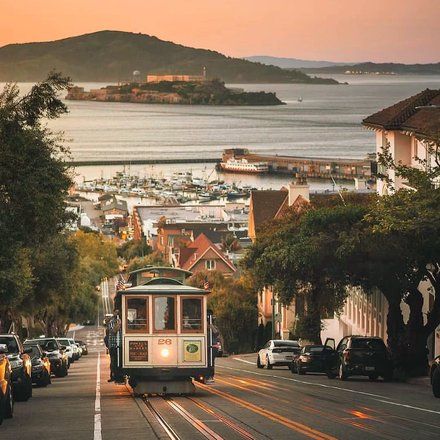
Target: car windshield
{"x": 46, "y": 344}
{"x": 36, "y": 351}
{"x": 368, "y": 344}
{"x": 11, "y": 343}
{"x": 285, "y": 344}
{"x": 64, "y": 342}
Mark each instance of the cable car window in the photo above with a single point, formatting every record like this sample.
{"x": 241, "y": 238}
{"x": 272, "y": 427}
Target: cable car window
{"x": 191, "y": 314}
{"x": 164, "y": 313}
{"x": 136, "y": 315}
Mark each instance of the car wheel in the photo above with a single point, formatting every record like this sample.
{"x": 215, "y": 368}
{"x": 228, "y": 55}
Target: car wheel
{"x": 436, "y": 382}
{"x": 23, "y": 391}
{"x": 268, "y": 364}
{"x": 9, "y": 404}
{"x": 331, "y": 375}
{"x": 373, "y": 376}
{"x": 259, "y": 362}
{"x": 299, "y": 370}
{"x": 342, "y": 374}
{"x": 292, "y": 367}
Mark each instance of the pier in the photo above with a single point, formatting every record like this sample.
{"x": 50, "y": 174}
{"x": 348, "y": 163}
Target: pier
{"x": 312, "y": 167}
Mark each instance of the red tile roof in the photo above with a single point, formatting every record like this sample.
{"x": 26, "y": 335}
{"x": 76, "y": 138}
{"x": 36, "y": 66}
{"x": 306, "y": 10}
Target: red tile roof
{"x": 196, "y": 249}
{"x": 419, "y": 114}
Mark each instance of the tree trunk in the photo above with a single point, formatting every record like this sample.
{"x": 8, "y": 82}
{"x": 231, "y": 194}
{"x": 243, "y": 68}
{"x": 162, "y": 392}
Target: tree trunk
{"x": 313, "y": 317}
{"x": 396, "y": 331}
{"x": 416, "y": 336}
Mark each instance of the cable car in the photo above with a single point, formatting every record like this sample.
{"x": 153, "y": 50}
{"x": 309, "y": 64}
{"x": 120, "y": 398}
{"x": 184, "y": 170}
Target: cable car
{"x": 166, "y": 337}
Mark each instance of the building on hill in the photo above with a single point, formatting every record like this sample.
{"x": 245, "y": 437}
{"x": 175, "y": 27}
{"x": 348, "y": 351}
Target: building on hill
{"x": 201, "y": 255}
{"x": 407, "y": 127}
{"x": 175, "y": 78}
{"x": 267, "y": 205}
{"x": 113, "y": 208}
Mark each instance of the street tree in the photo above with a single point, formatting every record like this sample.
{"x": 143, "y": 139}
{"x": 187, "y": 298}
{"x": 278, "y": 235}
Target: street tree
{"x": 34, "y": 181}
{"x": 298, "y": 257}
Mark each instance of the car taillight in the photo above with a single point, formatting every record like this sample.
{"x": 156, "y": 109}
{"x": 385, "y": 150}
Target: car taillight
{"x": 346, "y": 355}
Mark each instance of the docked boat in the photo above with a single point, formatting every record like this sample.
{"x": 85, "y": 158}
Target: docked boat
{"x": 244, "y": 166}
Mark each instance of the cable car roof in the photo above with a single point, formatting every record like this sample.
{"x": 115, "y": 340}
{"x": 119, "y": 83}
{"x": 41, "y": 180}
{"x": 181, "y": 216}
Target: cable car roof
{"x": 158, "y": 285}
{"x": 161, "y": 269}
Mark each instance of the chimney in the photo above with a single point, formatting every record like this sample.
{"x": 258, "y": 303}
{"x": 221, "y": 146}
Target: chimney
{"x": 299, "y": 187}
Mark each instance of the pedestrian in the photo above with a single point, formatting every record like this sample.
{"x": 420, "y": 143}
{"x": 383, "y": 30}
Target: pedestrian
{"x": 114, "y": 342}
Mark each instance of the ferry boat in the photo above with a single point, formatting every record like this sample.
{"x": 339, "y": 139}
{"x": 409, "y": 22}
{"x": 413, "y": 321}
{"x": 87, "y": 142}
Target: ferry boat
{"x": 243, "y": 166}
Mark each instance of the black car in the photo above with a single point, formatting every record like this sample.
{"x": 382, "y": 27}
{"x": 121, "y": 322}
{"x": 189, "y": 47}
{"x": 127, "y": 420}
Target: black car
{"x": 54, "y": 351}
{"x": 360, "y": 356}
{"x": 40, "y": 365}
{"x": 435, "y": 376}
{"x": 21, "y": 367}
{"x": 312, "y": 359}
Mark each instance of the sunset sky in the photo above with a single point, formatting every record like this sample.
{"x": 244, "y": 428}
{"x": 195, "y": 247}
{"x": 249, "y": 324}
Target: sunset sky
{"x": 339, "y": 30}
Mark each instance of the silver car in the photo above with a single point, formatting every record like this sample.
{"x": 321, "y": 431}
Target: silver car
{"x": 278, "y": 352}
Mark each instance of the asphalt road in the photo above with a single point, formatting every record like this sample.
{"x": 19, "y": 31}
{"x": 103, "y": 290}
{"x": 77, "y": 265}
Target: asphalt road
{"x": 244, "y": 402}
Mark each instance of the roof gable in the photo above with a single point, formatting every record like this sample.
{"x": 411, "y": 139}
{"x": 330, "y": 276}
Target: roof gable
{"x": 419, "y": 113}
{"x": 265, "y": 204}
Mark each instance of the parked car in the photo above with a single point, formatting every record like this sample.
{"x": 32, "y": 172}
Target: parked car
{"x": 70, "y": 349}
{"x": 6, "y": 398}
{"x": 277, "y": 352}
{"x": 40, "y": 365}
{"x": 360, "y": 356}
{"x": 311, "y": 359}
{"x": 83, "y": 346}
{"x": 21, "y": 367}
{"x": 435, "y": 376}
{"x": 55, "y": 353}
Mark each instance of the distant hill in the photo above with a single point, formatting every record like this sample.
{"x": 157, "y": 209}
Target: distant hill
{"x": 114, "y": 55}
{"x": 291, "y": 63}
{"x": 383, "y": 68}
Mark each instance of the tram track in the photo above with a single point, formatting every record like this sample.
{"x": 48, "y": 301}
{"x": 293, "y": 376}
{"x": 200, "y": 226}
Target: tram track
{"x": 172, "y": 432}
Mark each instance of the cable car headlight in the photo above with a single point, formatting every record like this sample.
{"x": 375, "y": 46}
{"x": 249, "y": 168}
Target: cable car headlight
{"x": 165, "y": 352}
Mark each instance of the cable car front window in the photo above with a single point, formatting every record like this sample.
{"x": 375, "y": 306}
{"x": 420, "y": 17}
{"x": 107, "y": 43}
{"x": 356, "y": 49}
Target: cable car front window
{"x": 191, "y": 314}
{"x": 164, "y": 313}
{"x": 136, "y": 315}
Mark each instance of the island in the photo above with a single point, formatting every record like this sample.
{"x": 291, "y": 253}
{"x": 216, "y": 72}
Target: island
{"x": 196, "y": 92}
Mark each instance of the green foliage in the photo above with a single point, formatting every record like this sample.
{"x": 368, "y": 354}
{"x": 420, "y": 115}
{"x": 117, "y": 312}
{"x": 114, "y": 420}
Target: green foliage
{"x": 298, "y": 257}
{"x": 29, "y": 62}
{"x": 153, "y": 259}
{"x": 133, "y": 248}
{"x": 234, "y": 305}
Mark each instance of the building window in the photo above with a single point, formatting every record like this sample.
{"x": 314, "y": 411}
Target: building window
{"x": 136, "y": 315}
{"x": 210, "y": 264}
{"x": 164, "y": 313}
{"x": 191, "y": 314}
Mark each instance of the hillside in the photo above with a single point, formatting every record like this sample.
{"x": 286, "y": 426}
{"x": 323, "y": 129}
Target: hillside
{"x": 291, "y": 63}
{"x": 113, "y": 55}
{"x": 384, "y": 68}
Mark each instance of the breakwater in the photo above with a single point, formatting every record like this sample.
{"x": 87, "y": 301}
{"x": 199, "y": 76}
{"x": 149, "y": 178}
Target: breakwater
{"x": 85, "y": 163}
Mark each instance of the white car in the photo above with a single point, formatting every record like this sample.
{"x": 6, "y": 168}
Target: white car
{"x": 277, "y": 352}
{"x": 68, "y": 350}
{"x": 76, "y": 353}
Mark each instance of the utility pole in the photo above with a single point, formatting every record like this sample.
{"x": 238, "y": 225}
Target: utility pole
{"x": 273, "y": 314}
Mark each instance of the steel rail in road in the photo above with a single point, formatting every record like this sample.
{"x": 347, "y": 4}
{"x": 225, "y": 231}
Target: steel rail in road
{"x": 170, "y": 432}
{"x": 305, "y": 430}
{"x": 195, "y": 422}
